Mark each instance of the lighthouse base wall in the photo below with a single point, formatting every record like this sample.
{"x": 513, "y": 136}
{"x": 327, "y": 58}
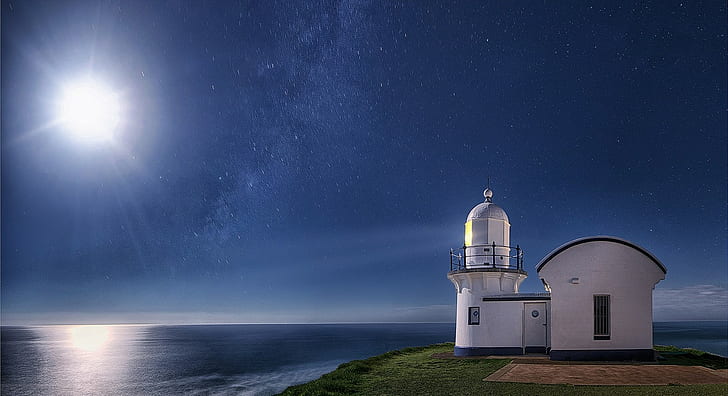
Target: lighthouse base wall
{"x": 487, "y": 351}
{"x": 641, "y": 355}
{"x": 499, "y": 328}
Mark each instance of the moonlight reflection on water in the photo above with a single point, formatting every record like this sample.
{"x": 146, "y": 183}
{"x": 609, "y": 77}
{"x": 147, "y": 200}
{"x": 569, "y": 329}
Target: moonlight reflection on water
{"x": 90, "y": 338}
{"x": 86, "y": 359}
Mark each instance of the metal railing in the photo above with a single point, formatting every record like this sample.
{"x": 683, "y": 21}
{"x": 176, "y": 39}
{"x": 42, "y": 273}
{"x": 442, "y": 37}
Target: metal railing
{"x": 459, "y": 257}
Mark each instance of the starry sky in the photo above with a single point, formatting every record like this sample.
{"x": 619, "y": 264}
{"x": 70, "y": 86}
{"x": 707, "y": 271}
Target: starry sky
{"x": 315, "y": 161}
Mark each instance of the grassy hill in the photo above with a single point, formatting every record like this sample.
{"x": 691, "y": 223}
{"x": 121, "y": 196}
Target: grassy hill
{"x": 413, "y": 371}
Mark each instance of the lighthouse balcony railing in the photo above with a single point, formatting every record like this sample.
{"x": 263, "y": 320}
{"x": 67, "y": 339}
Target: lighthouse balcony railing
{"x": 487, "y": 256}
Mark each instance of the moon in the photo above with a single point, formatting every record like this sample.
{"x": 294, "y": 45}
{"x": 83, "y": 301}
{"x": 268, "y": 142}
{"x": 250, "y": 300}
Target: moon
{"x": 88, "y": 110}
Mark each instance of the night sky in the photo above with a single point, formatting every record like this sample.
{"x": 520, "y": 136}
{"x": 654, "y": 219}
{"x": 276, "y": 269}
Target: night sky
{"x": 315, "y": 162}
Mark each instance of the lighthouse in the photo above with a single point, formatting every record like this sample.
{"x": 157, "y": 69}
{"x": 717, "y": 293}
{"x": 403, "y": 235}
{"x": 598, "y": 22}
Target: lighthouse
{"x": 597, "y": 303}
{"x": 487, "y": 272}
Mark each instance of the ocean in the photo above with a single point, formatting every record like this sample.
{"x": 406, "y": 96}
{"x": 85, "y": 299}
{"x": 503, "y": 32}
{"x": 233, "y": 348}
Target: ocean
{"x": 250, "y": 359}
{"x": 708, "y": 336}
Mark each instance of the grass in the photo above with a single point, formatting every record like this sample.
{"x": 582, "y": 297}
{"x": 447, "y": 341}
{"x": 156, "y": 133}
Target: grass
{"x": 413, "y": 371}
{"x": 689, "y": 357}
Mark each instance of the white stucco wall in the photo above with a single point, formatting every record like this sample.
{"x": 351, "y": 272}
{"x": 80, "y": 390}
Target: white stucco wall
{"x": 602, "y": 267}
{"x": 501, "y": 323}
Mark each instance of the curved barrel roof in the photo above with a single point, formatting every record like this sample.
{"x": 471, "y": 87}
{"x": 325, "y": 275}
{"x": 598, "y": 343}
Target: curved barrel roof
{"x": 598, "y": 238}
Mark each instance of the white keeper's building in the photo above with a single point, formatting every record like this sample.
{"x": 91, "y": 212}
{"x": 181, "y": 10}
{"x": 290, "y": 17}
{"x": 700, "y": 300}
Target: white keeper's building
{"x": 597, "y": 304}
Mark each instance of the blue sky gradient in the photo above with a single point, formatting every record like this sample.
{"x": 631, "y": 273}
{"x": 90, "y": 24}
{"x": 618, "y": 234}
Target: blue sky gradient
{"x": 314, "y": 162}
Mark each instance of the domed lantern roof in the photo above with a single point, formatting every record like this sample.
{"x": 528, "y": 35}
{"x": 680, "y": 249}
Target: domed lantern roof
{"x": 487, "y": 209}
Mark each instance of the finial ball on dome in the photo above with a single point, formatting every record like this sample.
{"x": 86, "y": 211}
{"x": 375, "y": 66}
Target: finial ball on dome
{"x": 487, "y": 209}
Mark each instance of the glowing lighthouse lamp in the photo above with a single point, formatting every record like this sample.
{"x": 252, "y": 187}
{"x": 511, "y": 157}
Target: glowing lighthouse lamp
{"x": 487, "y": 254}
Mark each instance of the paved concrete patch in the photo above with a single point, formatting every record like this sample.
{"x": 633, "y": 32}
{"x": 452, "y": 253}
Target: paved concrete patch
{"x": 603, "y": 374}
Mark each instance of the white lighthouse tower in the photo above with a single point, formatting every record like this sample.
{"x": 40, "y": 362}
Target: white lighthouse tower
{"x": 487, "y": 272}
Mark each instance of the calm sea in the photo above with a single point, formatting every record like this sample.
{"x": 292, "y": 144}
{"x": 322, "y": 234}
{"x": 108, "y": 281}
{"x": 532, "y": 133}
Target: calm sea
{"x": 226, "y": 359}
{"x": 709, "y": 336}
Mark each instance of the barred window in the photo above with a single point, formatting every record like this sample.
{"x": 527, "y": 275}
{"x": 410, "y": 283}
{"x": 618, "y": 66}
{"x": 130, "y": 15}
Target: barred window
{"x": 601, "y": 317}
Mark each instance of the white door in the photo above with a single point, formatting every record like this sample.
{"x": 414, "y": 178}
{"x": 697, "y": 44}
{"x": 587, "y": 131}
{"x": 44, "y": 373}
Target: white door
{"x": 535, "y": 322}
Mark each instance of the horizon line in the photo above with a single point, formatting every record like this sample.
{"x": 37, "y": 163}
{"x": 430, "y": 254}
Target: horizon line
{"x": 276, "y": 323}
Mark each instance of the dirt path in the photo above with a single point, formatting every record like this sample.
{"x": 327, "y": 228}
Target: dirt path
{"x": 608, "y": 374}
